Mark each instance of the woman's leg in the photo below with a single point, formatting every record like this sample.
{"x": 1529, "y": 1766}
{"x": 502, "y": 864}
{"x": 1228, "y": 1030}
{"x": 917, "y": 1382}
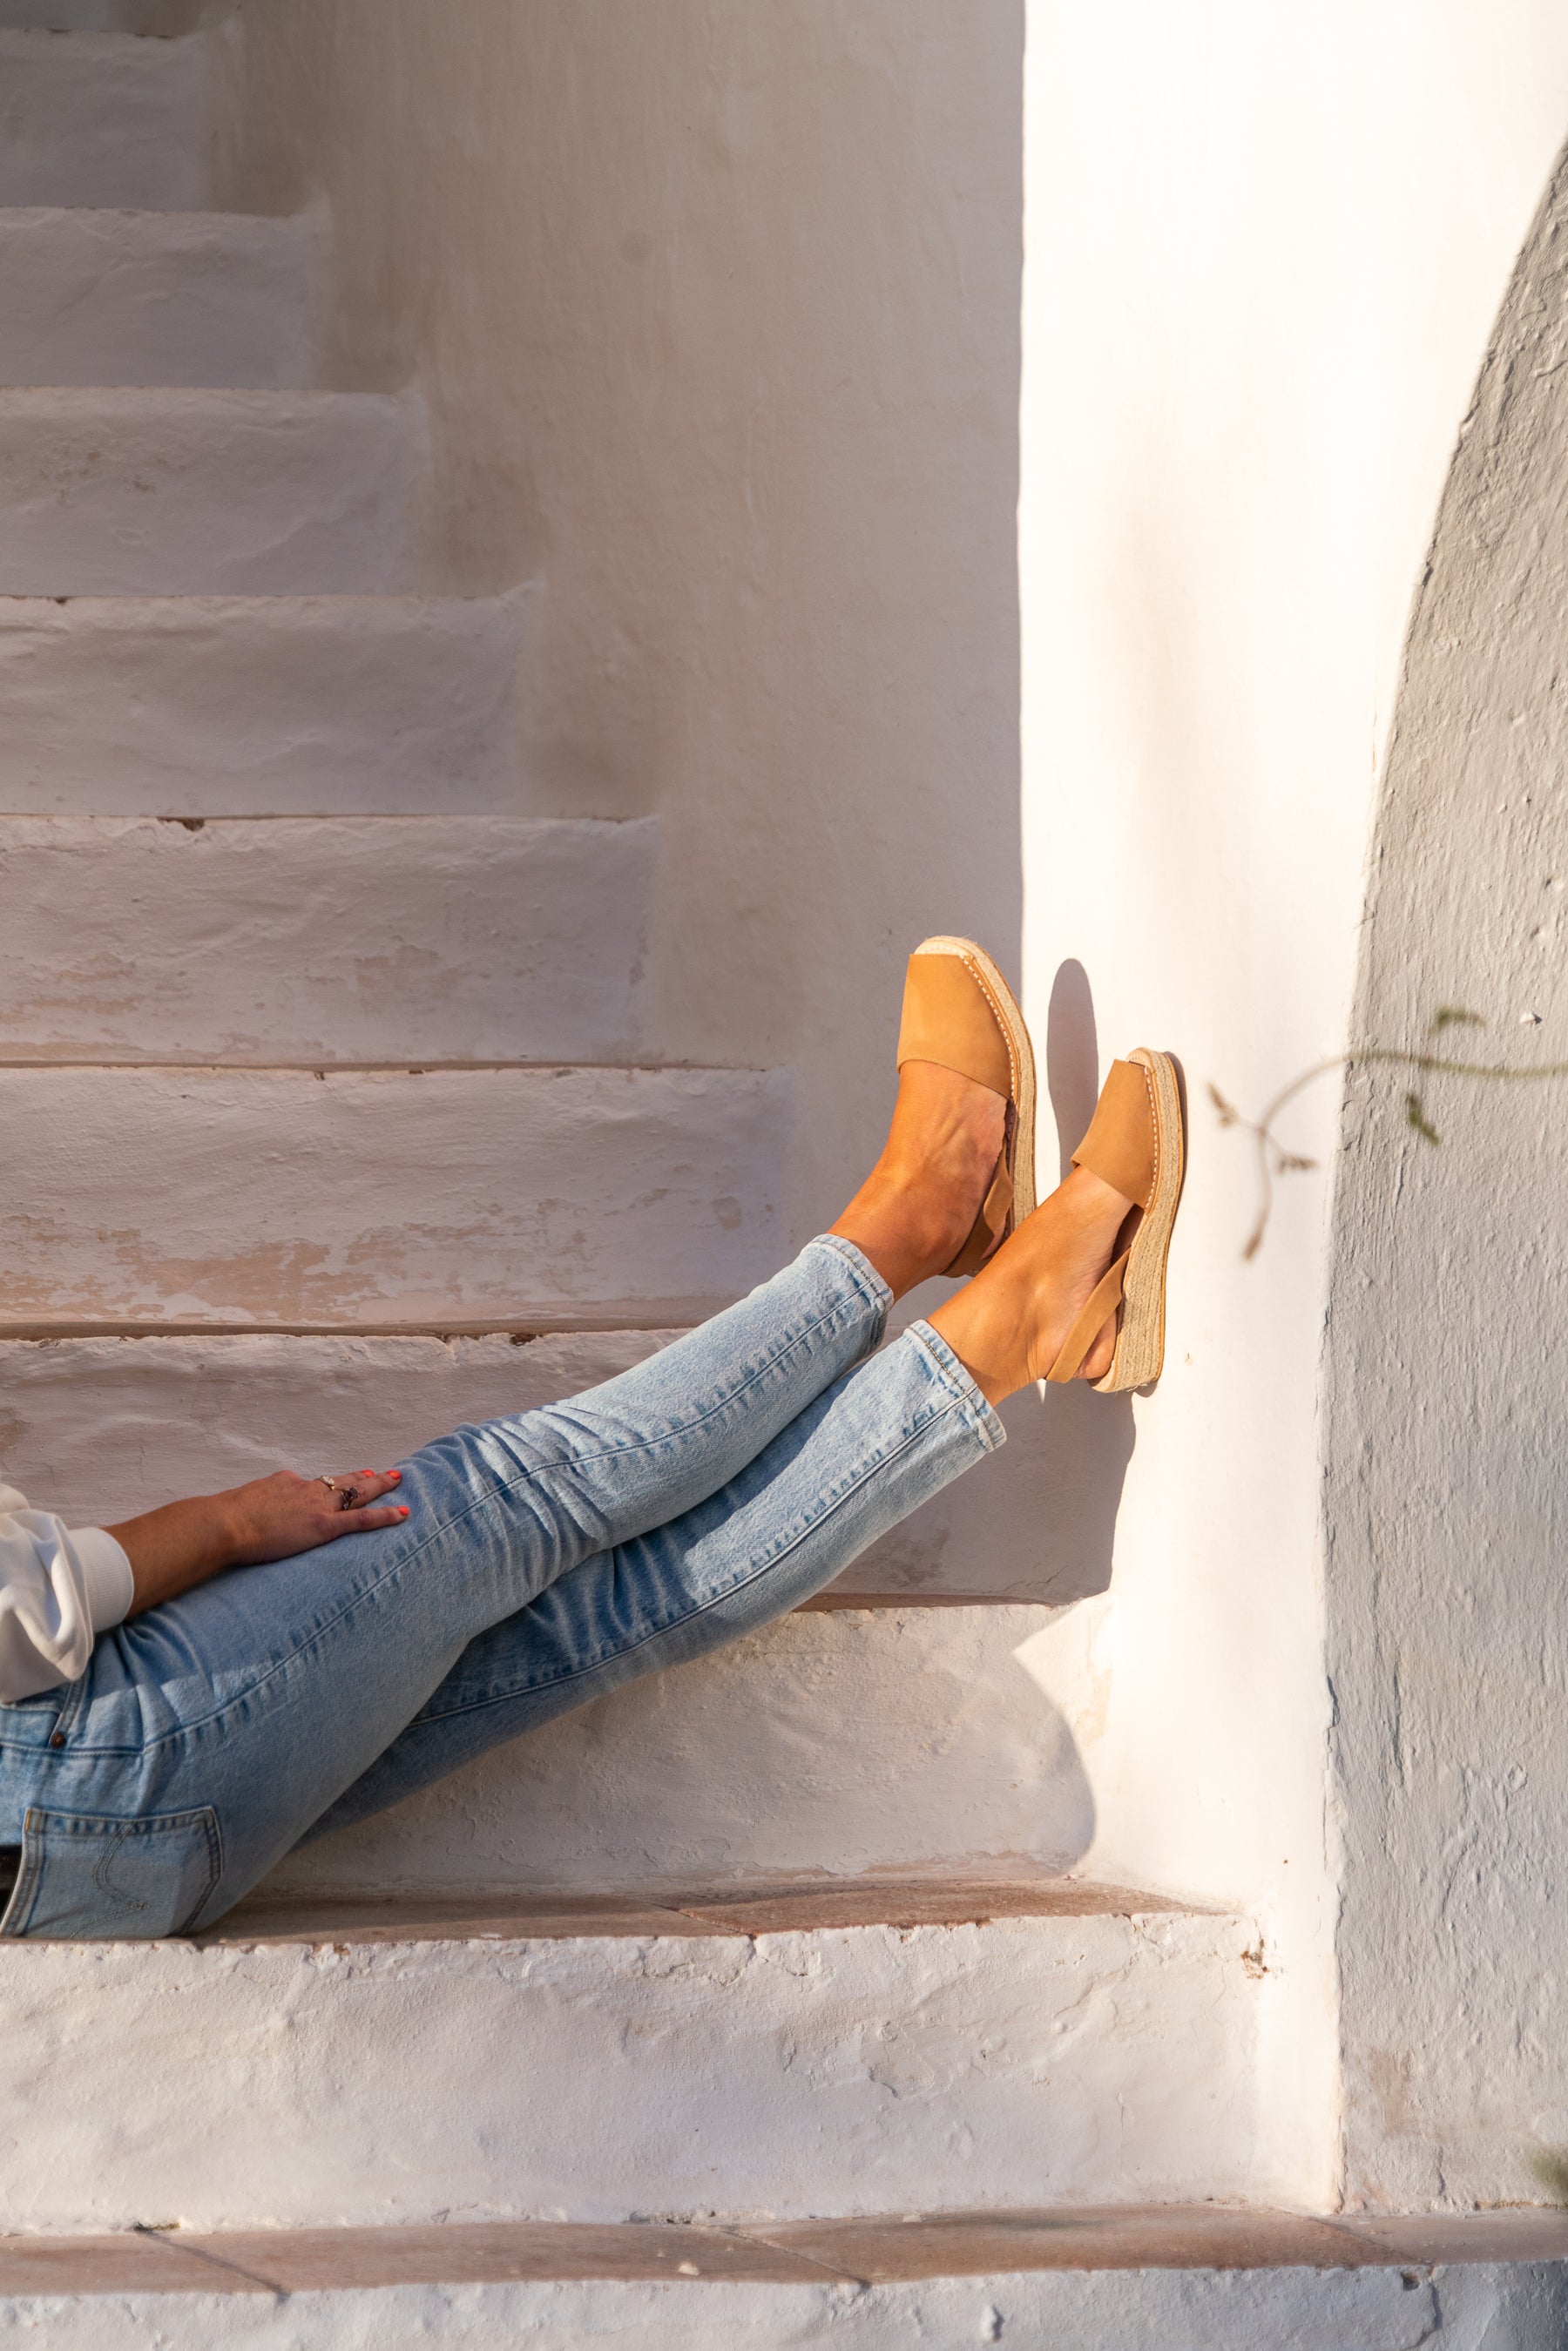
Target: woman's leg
{"x": 261, "y": 1696}
{"x": 880, "y": 1442}
{"x": 210, "y": 1733}
{"x": 652, "y": 1603}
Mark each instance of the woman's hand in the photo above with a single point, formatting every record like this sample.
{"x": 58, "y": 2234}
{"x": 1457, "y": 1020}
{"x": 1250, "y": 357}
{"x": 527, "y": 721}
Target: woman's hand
{"x": 172, "y": 1550}
{"x": 275, "y": 1517}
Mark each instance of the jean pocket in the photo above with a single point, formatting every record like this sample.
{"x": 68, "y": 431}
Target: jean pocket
{"x": 85, "y": 1878}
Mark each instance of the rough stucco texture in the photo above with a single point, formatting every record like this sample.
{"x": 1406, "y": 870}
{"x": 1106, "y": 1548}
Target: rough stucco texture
{"x": 1023, "y": 2062}
{"x": 1483, "y": 2309}
{"x": 1448, "y": 1422}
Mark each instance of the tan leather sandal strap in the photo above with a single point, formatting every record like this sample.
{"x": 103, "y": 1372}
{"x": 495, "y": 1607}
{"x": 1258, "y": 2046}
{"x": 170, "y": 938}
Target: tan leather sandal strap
{"x": 989, "y": 1227}
{"x": 1103, "y": 1303}
{"x": 1120, "y": 1144}
{"x": 948, "y": 1018}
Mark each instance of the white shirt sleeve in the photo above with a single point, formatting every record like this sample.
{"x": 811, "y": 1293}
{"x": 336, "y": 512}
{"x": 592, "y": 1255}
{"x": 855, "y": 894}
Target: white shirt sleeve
{"x": 58, "y": 1588}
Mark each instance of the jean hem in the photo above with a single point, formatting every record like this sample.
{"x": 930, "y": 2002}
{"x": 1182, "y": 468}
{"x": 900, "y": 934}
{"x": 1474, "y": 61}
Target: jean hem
{"x": 878, "y": 1295}
{"x": 982, "y": 1418}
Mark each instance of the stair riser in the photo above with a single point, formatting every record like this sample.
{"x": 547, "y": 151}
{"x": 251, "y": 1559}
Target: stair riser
{"x": 1510, "y": 2307}
{"x": 226, "y": 706}
{"x": 284, "y": 1197}
{"x": 1006, "y": 2063}
{"x": 104, "y": 122}
{"x": 192, "y": 493}
{"x": 112, "y": 1428}
{"x": 281, "y": 941}
{"x": 154, "y": 298}
{"x": 828, "y": 1761}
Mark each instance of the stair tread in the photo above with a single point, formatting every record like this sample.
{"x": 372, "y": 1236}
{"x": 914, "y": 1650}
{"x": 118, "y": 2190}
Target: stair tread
{"x": 760, "y": 1907}
{"x": 875, "y": 2250}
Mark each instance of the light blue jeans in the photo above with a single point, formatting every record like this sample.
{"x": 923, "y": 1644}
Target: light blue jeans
{"x": 547, "y": 1559}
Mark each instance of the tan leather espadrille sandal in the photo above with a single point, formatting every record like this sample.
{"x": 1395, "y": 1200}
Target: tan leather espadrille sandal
{"x": 1135, "y": 1143}
{"x": 959, "y": 1012}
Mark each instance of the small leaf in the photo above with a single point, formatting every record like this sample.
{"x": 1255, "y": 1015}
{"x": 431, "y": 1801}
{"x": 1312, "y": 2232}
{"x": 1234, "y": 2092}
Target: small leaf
{"x": 1291, "y": 1163}
{"x": 1229, "y": 1114}
{"x": 1417, "y": 1117}
{"x": 1453, "y": 1016}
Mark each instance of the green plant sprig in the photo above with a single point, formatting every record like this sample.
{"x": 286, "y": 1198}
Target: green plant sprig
{"x": 1274, "y": 1160}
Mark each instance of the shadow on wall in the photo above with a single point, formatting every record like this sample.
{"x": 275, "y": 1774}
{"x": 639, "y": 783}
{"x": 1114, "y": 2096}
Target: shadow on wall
{"x": 1038, "y": 1522}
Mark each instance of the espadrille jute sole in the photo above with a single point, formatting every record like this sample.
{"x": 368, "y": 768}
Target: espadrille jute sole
{"x": 1140, "y": 1320}
{"x": 1020, "y": 1052}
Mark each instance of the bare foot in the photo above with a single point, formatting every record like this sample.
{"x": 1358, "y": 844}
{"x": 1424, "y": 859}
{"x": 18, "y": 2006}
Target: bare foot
{"x": 916, "y": 1209}
{"x": 1009, "y": 1326}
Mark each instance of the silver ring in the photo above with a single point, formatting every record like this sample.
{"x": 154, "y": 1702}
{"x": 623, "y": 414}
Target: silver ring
{"x": 348, "y": 1496}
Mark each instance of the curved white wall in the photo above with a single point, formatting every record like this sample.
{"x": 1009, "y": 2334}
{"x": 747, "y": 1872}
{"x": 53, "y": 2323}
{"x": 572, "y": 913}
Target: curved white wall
{"x": 1264, "y": 251}
{"x": 1448, "y": 1416}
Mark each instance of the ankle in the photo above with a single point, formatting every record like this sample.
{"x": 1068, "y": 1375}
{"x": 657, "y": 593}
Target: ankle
{"x": 916, "y": 1209}
{"x": 906, "y": 1232}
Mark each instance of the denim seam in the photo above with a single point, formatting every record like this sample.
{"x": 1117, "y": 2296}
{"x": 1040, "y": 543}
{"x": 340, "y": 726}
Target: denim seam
{"x": 954, "y": 1407}
{"x": 483, "y": 1501}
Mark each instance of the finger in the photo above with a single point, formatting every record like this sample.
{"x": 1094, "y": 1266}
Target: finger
{"x": 367, "y": 1485}
{"x": 364, "y": 1522}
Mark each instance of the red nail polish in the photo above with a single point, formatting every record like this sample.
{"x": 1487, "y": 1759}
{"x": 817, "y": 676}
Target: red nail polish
{"x": 402, "y": 1512}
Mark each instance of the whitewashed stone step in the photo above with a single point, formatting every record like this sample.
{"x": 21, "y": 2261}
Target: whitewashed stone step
{"x": 1072, "y": 2278}
{"x": 267, "y": 706}
{"x": 1019, "y": 2060}
{"x": 828, "y": 1763}
{"x": 1121, "y": 2277}
{"x": 154, "y": 298}
{"x": 373, "y": 1197}
{"x": 483, "y": 938}
{"x": 188, "y": 493}
{"x": 109, "y": 121}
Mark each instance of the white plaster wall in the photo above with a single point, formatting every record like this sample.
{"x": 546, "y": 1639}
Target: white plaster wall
{"x": 714, "y": 304}
{"x": 1263, "y": 253}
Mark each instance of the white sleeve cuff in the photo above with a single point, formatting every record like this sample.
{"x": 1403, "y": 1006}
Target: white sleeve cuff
{"x": 108, "y": 1586}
